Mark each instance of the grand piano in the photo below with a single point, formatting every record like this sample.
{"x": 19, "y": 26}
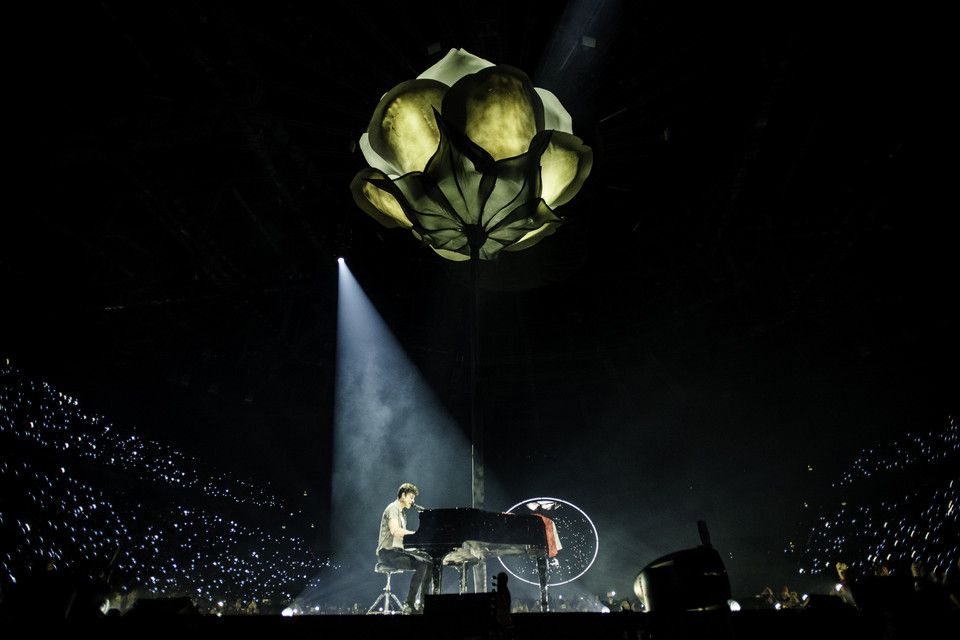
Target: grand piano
{"x": 463, "y": 537}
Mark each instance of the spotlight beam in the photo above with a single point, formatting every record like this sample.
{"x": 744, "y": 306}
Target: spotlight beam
{"x": 389, "y": 428}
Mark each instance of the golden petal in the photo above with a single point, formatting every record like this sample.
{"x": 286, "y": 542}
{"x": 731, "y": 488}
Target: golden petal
{"x": 403, "y": 129}
{"x": 376, "y": 202}
{"x": 533, "y": 237}
{"x": 497, "y": 108}
{"x": 564, "y": 166}
{"x": 451, "y": 255}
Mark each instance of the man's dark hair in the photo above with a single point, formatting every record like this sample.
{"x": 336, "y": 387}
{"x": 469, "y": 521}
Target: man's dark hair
{"x": 406, "y": 487}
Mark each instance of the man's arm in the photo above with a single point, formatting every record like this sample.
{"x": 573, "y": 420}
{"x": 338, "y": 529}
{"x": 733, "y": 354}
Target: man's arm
{"x": 396, "y": 529}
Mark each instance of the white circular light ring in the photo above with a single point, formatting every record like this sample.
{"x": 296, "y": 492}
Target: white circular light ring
{"x": 596, "y": 538}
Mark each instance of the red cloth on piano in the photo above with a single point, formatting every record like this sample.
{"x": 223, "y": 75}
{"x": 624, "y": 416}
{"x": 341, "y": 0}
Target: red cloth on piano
{"x": 551, "y": 535}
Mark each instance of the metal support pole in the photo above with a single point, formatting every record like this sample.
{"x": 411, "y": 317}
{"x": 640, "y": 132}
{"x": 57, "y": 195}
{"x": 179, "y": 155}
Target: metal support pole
{"x": 476, "y": 237}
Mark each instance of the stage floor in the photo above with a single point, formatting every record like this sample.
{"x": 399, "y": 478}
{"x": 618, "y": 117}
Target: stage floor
{"x": 746, "y": 625}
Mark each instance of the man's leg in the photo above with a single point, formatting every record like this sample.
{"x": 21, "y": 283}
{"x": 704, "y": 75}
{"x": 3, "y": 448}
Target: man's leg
{"x": 420, "y": 582}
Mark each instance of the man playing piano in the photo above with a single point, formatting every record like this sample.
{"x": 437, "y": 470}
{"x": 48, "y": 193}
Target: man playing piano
{"x": 390, "y": 547}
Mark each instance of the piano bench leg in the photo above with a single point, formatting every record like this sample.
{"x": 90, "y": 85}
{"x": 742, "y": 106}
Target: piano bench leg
{"x": 388, "y": 598}
{"x": 462, "y": 573}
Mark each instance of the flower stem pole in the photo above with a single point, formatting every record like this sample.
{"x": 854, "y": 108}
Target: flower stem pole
{"x": 476, "y": 236}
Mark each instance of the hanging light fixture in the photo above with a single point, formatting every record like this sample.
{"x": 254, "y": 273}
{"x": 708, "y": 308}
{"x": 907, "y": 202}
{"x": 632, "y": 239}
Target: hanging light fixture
{"x": 471, "y": 158}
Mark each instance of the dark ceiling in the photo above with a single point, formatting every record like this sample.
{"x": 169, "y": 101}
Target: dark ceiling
{"x": 755, "y": 247}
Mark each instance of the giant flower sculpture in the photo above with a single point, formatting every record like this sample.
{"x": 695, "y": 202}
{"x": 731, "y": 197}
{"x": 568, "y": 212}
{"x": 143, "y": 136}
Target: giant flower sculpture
{"x": 470, "y": 156}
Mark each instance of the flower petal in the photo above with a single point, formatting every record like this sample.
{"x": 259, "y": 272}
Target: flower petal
{"x": 497, "y": 108}
{"x": 378, "y": 203}
{"x": 550, "y": 223}
{"x": 403, "y": 130}
{"x": 457, "y": 169}
{"x": 456, "y": 256}
{"x": 564, "y": 167}
{"x": 525, "y": 226}
{"x": 517, "y": 183}
{"x": 554, "y": 115}
{"x": 374, "y": 159}
{"x": 533, "y": 237}
{"x": 455, "y": 65}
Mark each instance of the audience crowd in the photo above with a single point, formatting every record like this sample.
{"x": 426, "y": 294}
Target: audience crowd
{"x": 898, "y": 506}
{"x": 92, "y": 512}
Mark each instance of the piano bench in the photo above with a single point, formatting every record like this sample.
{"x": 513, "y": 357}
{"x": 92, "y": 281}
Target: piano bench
{"x": 387, "y": 569}
{"x": 391, "y": 603}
